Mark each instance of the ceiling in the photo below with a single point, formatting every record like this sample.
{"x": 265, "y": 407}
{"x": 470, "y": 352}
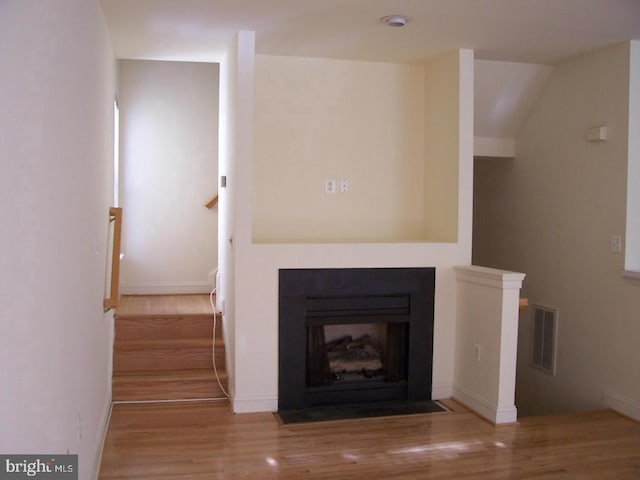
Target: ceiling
{"x": 531, "y": 31}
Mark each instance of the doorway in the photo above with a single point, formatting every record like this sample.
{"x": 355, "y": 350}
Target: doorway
{"x": 168, "y": 171}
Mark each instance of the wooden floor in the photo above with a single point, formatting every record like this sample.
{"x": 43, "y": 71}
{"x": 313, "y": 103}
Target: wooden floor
{"x": 204, "y": 440}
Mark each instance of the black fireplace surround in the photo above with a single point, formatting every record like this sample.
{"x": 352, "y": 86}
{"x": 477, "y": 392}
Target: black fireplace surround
{"x": 398, "y": 300}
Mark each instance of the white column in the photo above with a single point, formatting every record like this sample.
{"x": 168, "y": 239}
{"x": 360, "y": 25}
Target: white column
{"x": 486, "y": 341}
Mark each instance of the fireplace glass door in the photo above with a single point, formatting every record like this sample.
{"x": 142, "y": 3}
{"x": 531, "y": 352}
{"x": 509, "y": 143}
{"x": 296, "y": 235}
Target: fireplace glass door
{"x": 352, "y": 353}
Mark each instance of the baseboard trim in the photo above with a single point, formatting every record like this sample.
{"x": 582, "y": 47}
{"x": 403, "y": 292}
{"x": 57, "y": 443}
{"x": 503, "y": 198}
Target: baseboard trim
{"x": 105, "y": 429}
{"x": 181, "y": 288}
{"x": 255, "y": 404}
{"x": 488, "y": 410}
{"x": 441, "y": 391}
{"x": 622, "y": 404}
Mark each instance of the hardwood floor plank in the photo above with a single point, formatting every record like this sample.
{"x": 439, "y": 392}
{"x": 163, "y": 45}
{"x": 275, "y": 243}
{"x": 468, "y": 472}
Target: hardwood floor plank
{"x": 205, "y": 440}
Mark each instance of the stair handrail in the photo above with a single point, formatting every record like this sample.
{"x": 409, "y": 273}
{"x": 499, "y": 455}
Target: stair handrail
{"x": 115, "y": 216}
{"x": 212, "y": 201}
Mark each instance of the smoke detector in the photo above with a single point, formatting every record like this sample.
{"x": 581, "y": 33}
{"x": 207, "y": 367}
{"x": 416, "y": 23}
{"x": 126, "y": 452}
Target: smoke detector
{"x": 395, "y": 20}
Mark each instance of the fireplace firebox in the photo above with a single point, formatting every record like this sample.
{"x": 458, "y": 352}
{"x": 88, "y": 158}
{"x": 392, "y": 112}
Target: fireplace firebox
{"x": 353, "y": 336}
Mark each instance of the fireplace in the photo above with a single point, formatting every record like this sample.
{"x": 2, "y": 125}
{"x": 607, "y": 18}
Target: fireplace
{"x": 353, "y": 336}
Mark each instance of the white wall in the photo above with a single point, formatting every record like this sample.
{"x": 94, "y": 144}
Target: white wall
{"x": 236, "y": 149}
{"x": 562, "y": 198}
{"x": 169, "y": 157}
{"x": 56, "y": 146}
{"x": 256, "y": 264}
{"x": 632, "y": 255}
{"x": 504, "y": 95}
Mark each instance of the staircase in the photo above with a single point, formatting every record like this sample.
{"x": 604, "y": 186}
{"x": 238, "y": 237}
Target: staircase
{"x": 162, "y": 349}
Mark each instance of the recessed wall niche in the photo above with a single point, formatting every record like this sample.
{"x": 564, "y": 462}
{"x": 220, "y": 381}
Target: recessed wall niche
{"x": 365, "y": 122}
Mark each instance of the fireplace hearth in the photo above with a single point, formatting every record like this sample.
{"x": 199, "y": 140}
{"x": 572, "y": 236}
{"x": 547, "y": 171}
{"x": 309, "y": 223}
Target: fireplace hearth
{"x": 354, "y": 336}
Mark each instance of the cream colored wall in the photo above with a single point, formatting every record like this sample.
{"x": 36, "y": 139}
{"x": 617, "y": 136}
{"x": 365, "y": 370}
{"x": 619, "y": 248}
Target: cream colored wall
{"x": 561, "y": 199}
{"x": 169, "y": 149}
{"x": 58, "y": 86}
{"x": 325, "y": 119}
{"x": 442, "y": 129}
{"x": 257, "y": 264}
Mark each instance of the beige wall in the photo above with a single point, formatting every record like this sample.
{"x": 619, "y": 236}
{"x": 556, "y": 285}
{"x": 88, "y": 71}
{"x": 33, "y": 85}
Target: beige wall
{"x": 169, "y": 157}
{"x": 58, "y": 87}
{"x": 444, "y": 122}
{"x": 493, "y": 215}
{"x": 561, "y": 199}
{"x": 325, "y": 119}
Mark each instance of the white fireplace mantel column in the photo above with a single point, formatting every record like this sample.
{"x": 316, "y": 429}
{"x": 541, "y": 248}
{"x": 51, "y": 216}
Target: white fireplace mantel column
{"x": 486, "y": 341}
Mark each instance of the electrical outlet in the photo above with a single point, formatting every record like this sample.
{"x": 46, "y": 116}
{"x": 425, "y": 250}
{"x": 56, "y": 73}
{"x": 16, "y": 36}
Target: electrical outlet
{"x": 476, "y": 352}
{"x": 221, "y": 305}
{"x": 615, "y": 244}
{"x": 330, "y": 186}
{"x": 344, "y": 185}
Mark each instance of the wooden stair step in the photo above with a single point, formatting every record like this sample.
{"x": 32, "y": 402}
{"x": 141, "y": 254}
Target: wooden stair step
{"x": 167, "y": 385}
{"x": 153, "y": 343}
{"x": 150, "y": 344}
{"x": 157, "y": 327}
{"x": 167, "y": 354}
{"x": 177, "y": 356}
{"x": 163, "y": 348}
{"x": 165, "y": 304}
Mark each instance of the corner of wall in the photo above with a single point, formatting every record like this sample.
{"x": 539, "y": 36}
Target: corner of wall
{"x": 622, "y": 404}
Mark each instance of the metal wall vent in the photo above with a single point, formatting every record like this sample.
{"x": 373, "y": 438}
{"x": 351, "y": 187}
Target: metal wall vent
{"x": 544, "y": 338}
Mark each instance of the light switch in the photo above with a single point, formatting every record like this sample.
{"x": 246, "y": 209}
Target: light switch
{"x": 615, "y": 244}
